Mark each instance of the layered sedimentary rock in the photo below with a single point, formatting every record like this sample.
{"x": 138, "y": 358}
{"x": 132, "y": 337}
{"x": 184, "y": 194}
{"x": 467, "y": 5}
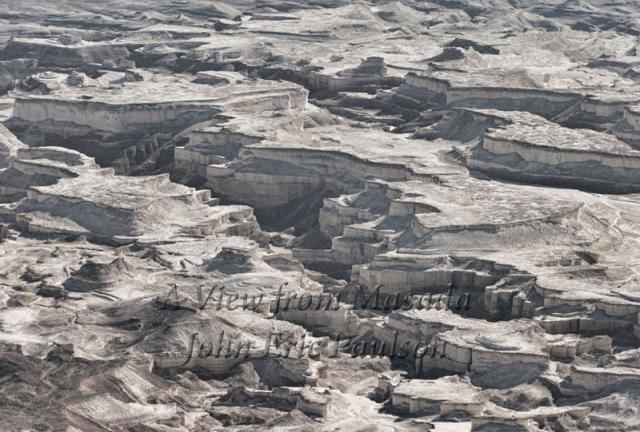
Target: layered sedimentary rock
{"x": 418, "y": 396}
{"x": 479, "y": 94}
{"x": 528, "y": 149}
{"x": 64, "y": 53}
{"x": 424, "y": 232}
{"x": 417, "y": 212}
{"x": 371, "y": 71}
{"x": 9, "y": 146}
{"x": 131, "y": 121}
{"x": 628, "y": 129}
{"x": 580, "y": 97}
{"x": 140, "y": 309}
{"x": 12, "y": 71}
{"x": 65, "y": 194}
{"x": 382, "y": 216}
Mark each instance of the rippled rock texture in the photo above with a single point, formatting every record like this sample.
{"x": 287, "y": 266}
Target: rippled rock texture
{"x": 320, "y": 216}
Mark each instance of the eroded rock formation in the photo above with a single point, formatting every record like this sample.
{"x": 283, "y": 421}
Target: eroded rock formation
{"x": 389, "y": 216}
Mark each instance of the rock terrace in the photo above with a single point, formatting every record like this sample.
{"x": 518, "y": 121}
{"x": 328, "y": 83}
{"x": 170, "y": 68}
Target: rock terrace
{"x": 320, "y": 216}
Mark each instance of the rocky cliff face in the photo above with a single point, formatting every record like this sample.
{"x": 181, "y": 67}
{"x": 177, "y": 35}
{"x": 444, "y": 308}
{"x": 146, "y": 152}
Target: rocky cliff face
{"x": 128, "y": 126}
{"x": 320, "y": 215}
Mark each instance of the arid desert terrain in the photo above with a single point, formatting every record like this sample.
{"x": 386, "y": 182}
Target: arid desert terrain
{"x": 323, "y": 215}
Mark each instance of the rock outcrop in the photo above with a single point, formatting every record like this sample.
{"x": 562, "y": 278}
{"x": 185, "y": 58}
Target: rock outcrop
{"x": 323, "y": 216}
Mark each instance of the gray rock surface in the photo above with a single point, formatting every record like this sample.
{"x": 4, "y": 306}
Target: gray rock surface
{"x": 319, "y": 216}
